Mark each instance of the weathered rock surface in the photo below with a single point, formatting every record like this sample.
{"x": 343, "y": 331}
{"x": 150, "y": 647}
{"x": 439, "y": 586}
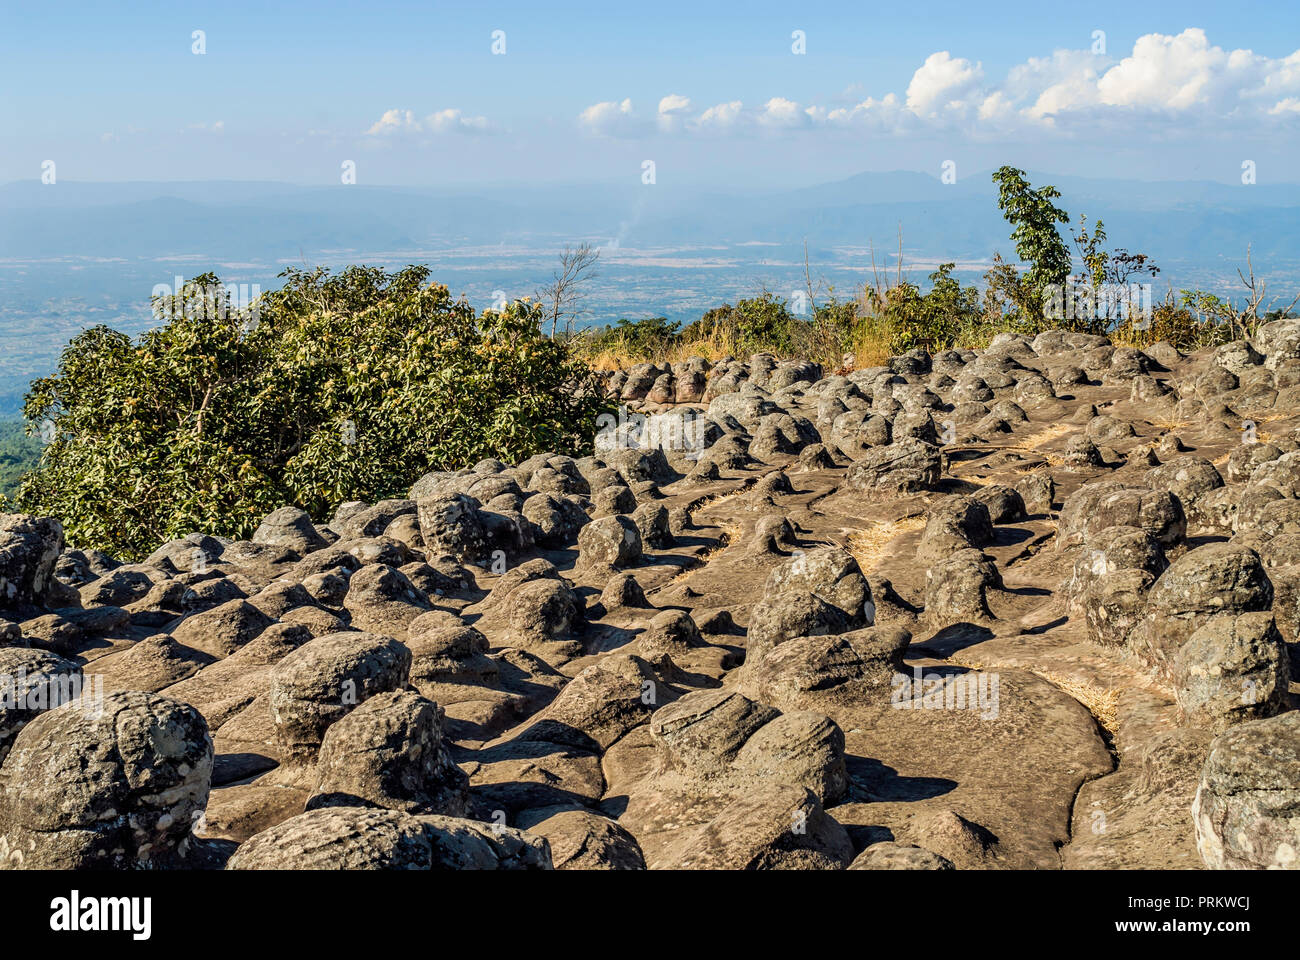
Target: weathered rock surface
{"x": 1034, "y": 606}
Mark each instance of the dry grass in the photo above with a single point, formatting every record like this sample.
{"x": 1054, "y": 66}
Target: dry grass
{"x": 869, "y": 348}
{"x": 1267, "y": 436}
{"x": 868, "y": 546}
{"x": 1048, "y": 434}
{"x": 618, "y": 356}
{"x": 714, "y": 499}
{"x": 730, "y": 537}
{"x": 870, "y": 353}
{"x": 1102, "y": 702}
{"x": 1034, "y": 442}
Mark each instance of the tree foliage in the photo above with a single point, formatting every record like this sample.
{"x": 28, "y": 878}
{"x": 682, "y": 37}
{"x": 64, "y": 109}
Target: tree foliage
{"x": 644, "y": 337}
{"x": 335, "y": 387}
{"x": 1033, "y": 218}
{"x": 764, "y": 322}
{"x": 935, "y": 319}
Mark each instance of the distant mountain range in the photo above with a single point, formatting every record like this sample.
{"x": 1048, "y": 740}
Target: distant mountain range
{"x": 73, "y": 254}
{"x": 1173, "y": 221}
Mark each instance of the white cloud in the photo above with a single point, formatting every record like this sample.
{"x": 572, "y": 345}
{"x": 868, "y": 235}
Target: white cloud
{"x": 780, "y": 112}
{"x": 878, "y": 115}
{"x": 1180, "y": 79}
{"x": 996, "y": 107}
{"x": 610, "y": 119}
{"x": 394, "y": 121}
{"x": 672, "y": 111}
{"x": 444, "y": 121}
{"x": 1175, "y": 72}
{"x": 453, "y": 121}
{"x": 1047, "y": 85}
{"x": 942, "y": 82}
{"x": 720, "y": 116}
{"x": 1179, "y": 76}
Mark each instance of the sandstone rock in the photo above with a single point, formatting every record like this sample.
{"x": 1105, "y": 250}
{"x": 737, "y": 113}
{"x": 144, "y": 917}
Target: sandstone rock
{"x": 887, "y": 855}
{"x": 956, "y": 587}
{"x": 352, "y": 838}
{"x": 773, "y": 826}
{"x": 1233, "y": 669}
{"x": 120, "y": 786}
{"x": 700, "y": 734}
{"x": 582, "y": 840}
{"x": 602, "y": 703}
{"x": 652, "y": 524}
{"x": 383, "y": 600}
{"x": 621, "y": 591}
{"x": 670, "y": 633}
{"x": 390, "y": 752}
{"x": 907, "y": 466}
{"x": 452, "y": 524}
{"x": 820, "y": 672}
{"x": 1190, "y": 479}
{"x": 610, "y": 542}
{"x": 803, "y": 748}
{"x": 289, "y": 527}
{"x": 222, "y": 630}
{"x": 323, "y": 680}
{"x": 1213, "y": 579}
{"x": 957, "y": 523}
{"x": 29, "y": 549}
{"x": 32, "y": 682}
{"x": 1245, "y": 806}
{"x": 952, "y": 837}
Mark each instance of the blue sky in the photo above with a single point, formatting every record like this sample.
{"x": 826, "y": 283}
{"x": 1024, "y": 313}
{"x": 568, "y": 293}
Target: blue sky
{"x": 714, "y": 94}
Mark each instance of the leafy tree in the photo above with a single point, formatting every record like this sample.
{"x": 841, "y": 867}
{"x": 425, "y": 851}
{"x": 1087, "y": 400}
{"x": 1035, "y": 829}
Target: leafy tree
{"x": 335, "y": 387}
{"x": 949, "y": 308}
{"x": 1033, "y": 218}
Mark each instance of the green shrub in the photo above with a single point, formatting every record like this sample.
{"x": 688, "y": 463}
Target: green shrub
{"x": 765, "y": 323}
{"x": 647, "y": 337}
{"x": 753, "y": 324}
{"x": 346, "y": 386}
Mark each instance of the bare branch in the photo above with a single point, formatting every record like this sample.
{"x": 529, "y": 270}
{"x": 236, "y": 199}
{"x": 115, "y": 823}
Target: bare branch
{"x": 564, "y": 295}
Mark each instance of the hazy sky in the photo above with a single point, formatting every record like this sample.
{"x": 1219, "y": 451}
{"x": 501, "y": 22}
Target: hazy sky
{"x": 413, "y": 93}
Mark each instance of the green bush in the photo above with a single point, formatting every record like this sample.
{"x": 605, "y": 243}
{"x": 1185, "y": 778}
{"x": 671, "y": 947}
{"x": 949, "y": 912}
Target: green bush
{"x": 341, "y": 386}
{"x": 647, "y": 337}
{"x": 934, "y": 320}
{"x": 766, "y": 323}
{"x": 753, "y": 324}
